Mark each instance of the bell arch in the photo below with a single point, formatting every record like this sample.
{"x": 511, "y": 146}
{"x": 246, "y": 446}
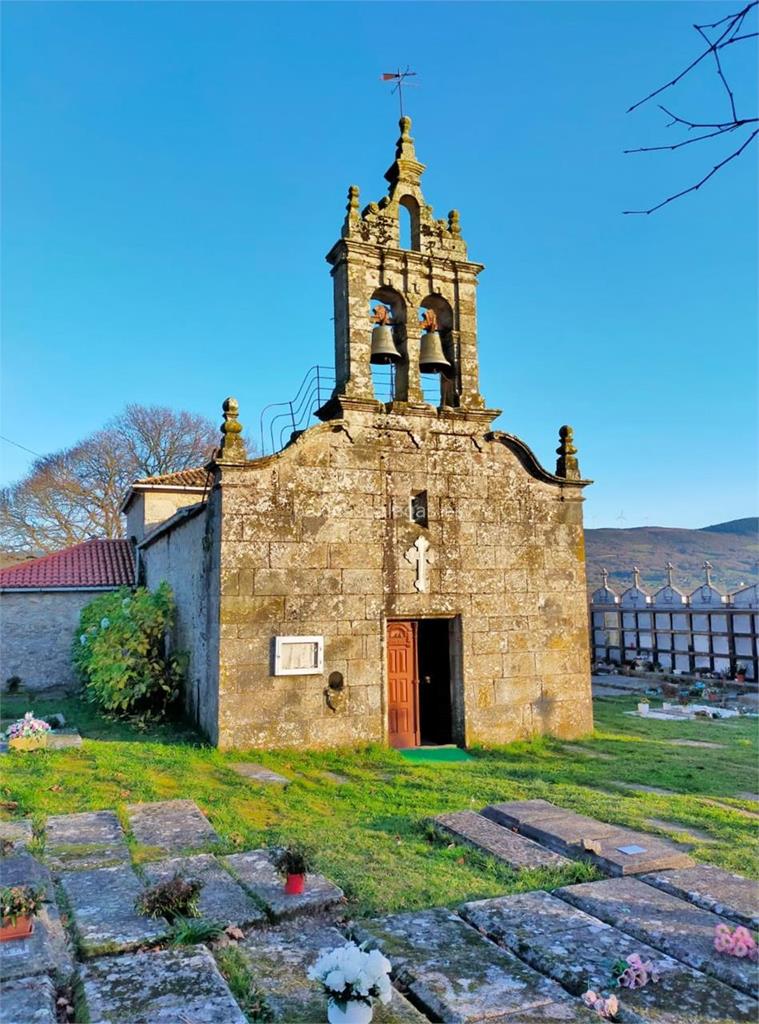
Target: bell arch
{"x": 449, "y": 377}
{"x": 386, "y": 376}
{"x": 408, "y": 222}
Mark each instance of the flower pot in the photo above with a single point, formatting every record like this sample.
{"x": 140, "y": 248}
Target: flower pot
{"x": 27, "y": 742}
{"x": 740, "y": 677}
{"x": 21, "y": 929}
{"x": 354, "y": 1011}
{"x": 295, "y": 884}
{"x": 643, "y": 707}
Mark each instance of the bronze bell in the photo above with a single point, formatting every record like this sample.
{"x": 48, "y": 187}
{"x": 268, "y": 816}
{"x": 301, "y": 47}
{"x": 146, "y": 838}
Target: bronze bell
{"x": 431, "y": 357}
{"x": 383, "y": 346}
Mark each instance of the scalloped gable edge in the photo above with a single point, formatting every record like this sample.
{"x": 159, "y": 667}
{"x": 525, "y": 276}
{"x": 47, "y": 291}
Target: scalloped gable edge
{"x": 529, "y": 460}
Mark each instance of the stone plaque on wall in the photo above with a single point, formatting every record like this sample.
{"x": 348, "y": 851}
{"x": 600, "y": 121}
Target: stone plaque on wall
{"x": 298, "y": 655}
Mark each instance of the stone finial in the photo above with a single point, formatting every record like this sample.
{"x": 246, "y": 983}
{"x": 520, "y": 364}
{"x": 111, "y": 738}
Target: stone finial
{"x": 670, "y": 569}
{"x": 406, "y": 167}
{"x": 636, "y": 577}
{"x": 232, "y": 445}
{"x": 707, "y": 567}
{"x": 567, "y": 464}
{"x": 454, "y": 225}
{"x": 353, "y": 213}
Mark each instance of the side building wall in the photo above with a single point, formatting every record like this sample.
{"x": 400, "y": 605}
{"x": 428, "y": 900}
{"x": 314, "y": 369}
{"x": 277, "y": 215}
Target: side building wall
{"x": 314, "y": 542}
{"x": 36, "y": 633}
{"x": 187, "y": 558}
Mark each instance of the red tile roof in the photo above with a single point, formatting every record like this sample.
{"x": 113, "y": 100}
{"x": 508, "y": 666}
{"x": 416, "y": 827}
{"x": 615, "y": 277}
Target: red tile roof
{"x": 196, "y": 477}
{"x": 95, "y": 563}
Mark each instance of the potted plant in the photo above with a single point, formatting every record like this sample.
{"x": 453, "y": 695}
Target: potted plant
{"x": 740, "y": 673}
{"x": 643, "y": 706}
{"x": 352, "y": 979}
{"x": 19, "y": 905}
{"x": 294, "y": 862}
{"x": 28, "y": 733}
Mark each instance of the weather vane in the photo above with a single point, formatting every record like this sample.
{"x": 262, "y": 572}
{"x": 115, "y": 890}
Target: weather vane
{"x": 399, "y": 77}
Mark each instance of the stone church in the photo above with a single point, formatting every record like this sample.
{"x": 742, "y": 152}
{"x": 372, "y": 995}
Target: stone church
{"x": 399, "y": 572}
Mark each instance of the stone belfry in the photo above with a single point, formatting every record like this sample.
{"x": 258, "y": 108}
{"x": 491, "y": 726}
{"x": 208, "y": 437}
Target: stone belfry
{"x": 432, "y": 282}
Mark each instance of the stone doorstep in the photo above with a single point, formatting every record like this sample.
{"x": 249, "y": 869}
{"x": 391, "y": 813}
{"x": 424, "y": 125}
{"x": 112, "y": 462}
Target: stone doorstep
{"x": 576, "y": 949}
{"x": 279, "y": 958}
{"x": 84, "y": 841}
{"x": 28, "y": 1000}
{"x": 164, "y": 987}
{"x": 453, "y": 974}
{"x": 221, "y": 898}
{"x": 505, "y": 845}
{"x": 256, "y": 872}
{"x": 258, "y": 773}
{"x": 712, "y": 888}
{"x": 102, "y": 906}
{"x": 171, "y": 825}
{"x": 675, "y": 927}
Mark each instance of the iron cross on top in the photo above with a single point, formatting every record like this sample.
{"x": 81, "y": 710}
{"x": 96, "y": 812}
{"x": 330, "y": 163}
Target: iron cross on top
{"x": 399, "y": 77}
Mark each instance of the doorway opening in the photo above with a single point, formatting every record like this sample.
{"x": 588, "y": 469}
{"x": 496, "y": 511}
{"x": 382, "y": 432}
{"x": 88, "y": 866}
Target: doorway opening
{"x": 421, "y": 705}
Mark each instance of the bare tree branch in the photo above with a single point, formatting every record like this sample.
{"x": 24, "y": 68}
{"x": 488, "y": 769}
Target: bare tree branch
{"x": 729, "y": 34}
{"x": 697, "y": 186}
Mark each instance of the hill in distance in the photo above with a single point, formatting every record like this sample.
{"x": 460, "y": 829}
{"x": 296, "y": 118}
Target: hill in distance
{"x": 732, "y": 548}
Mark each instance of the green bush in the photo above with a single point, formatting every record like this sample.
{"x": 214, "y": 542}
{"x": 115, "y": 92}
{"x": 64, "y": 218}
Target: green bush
{"x": 120, "y": 653}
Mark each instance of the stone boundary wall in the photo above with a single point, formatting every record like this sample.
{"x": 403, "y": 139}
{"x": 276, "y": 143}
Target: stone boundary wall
{"x": 36, "y": 632}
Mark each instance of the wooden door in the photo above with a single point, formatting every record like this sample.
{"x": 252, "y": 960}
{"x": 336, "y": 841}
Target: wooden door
{"x": 402, "y": 685}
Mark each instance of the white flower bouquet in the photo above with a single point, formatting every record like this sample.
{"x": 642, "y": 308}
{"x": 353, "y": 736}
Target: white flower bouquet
{"x": 350, "y": 974}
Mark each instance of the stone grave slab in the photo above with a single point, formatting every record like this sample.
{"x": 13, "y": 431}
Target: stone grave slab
{"x": 257, "y": 773}
{"x": 484, "y": 834}
{"x": 23, "y": 869}
{"x": 80, "y": 842}
{"x": 625, "y": 852}
{"x": 102, "y": 905}
{"x": 514, "y": 813}
{"x": 279, "y": 959}
{"x": 712, "y": 888}
{"x": 63, "y": 739}
{"x": 46, "y": 951}
{"x": 554, "y": 827}
{"x": 171, "y": 825}
{"x": 28, "y": 1001}
{"x": 256, "y": 871}
{"x": 453, "y": 974}
{"x": 221, "y": 898}
{"x": 665, "y": 922}
{"x": 337, "y": 777}
{"x": 174, "y": 986}
{"x": 576, "y": 950}
{"x": 17, "y": 831}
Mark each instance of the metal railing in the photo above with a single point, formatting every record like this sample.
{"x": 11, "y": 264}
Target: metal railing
{"x": 281, "y": 422}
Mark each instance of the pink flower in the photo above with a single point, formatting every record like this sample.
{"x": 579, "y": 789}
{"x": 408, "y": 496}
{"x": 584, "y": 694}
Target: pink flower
{"x": 723, "y": 939}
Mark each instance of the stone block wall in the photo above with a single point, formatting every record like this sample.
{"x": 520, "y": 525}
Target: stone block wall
{"x": 36, "y": 632}
{"x": 313, "y": 541}
{"x": 186, "y": 556}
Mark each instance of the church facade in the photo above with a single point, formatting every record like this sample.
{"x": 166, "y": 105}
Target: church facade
{"x": 399, "y": 572}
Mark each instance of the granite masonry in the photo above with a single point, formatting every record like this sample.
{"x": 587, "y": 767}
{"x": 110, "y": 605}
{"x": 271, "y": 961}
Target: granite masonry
{"x": 399, "y": 572}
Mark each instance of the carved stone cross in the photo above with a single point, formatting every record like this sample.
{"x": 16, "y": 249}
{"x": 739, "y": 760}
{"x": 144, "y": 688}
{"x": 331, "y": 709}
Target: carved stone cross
{"x": 419, "y": 553}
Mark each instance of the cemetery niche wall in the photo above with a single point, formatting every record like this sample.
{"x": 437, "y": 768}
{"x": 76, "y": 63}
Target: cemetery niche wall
{"x": 399, "y": 572}
{"x": 706, "y": 631}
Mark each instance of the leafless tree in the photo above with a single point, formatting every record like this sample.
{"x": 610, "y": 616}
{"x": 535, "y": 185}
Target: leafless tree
{"x": 75, "y": 494}
{"x": 729, "y": 31}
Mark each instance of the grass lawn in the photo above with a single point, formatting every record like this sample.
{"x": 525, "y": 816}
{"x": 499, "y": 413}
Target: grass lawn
{"x": 370, "y": 834}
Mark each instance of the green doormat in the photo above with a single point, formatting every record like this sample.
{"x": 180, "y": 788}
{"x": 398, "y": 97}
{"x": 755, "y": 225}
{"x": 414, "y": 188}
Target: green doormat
{"x": 430, "y": 754}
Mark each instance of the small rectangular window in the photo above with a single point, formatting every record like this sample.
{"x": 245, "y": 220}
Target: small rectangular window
{"x": 419, "y": 509}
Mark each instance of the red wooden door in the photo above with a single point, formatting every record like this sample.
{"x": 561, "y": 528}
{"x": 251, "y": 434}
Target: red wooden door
{"x": 402, "y": 685}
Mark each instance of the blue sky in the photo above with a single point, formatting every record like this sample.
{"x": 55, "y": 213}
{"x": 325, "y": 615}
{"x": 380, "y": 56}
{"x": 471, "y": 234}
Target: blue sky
{"x": 174, "y": 175}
